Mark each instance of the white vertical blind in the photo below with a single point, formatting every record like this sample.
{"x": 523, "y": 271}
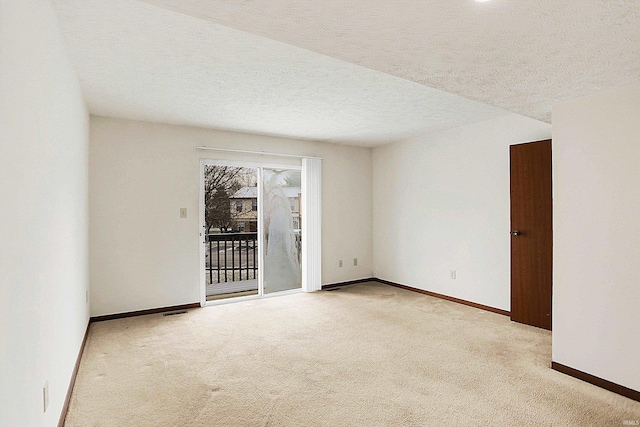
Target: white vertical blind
{"x": 311, "y": 224}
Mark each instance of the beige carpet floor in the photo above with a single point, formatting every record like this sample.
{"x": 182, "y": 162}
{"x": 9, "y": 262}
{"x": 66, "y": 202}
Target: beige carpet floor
{"x": 363, "y": 355}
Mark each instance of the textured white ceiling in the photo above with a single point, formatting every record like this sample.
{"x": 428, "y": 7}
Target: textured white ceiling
{"x": 347, "y": 71}
{"x": 520, "y": 55}
{"x": 142, "y": 62}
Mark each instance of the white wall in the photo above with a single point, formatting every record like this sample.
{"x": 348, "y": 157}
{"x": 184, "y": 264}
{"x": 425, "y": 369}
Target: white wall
{"x": 44, "y": 215}
{"x": 596, "y": 294}
{"x": 441, "y": 203}
{"x": 142, "y": 255}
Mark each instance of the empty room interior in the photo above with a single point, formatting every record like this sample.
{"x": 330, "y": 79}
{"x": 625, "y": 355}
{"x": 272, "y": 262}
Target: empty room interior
{"x": 441, "y": 197}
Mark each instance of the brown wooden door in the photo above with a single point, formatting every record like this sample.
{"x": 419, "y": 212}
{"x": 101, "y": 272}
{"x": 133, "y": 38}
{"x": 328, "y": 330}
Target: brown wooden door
{"x": 531, "y": 234}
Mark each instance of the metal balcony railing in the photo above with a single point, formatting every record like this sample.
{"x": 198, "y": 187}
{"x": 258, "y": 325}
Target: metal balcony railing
{"x": 231, "y": 257}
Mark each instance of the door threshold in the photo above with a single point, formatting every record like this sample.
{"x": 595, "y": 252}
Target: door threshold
{"x": 251, "y": 297}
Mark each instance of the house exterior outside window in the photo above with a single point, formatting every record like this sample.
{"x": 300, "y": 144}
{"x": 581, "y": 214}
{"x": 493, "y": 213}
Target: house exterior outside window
{"x": 244, "y": 208}
{"x": 244, "y": 215}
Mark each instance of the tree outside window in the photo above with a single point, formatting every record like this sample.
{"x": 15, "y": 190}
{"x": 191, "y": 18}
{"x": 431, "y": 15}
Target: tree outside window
{"x": 221, "y": 182}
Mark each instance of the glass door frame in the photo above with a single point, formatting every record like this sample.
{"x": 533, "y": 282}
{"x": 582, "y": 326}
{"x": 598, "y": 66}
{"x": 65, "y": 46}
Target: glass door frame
{"x": 259, "y": 167}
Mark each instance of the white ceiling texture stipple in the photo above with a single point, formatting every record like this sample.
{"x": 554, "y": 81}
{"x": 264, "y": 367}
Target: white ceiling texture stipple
{"x": 345, "y": 71}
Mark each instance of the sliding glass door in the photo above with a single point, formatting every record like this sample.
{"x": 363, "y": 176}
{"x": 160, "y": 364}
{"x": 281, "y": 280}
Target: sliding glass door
{"x": 251, "y": 219}
{"x": 282, "y": 229}
{"x": 230, "y": 230}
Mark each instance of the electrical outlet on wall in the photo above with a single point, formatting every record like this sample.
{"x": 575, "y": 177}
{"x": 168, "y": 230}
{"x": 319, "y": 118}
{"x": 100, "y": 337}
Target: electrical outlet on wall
{"x": 340, "y": 263}
{"x": 452, "y": 274}
{"x": 183, "y": 212}
{"x": 376, "y": 273}
{"x": 355, "y": 262}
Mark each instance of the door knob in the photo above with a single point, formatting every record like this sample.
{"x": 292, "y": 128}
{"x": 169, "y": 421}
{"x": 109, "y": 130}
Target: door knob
{"x": 515, "y": 233}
